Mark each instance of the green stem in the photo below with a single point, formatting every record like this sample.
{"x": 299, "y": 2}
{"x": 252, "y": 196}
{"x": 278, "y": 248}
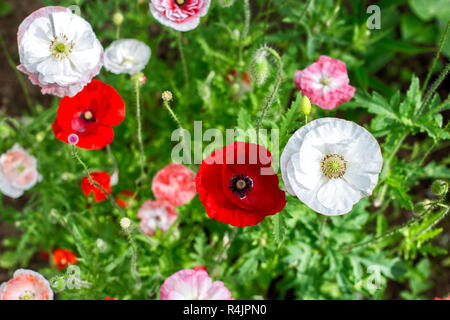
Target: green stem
{"x": 388, "y": 233}
{"x": 436, "y": 58}
{"x": 270, "y": 99}
{"x": 436, "y": 84}
{"x": 245, "y": 30}
{"x": 134, "y": 272}
{"x": 16, "y": 71}
{"x": 139, "y": 132}
{"x": 172, "y": 113}
{"x": 322, "y": 227}
{"x": 266, "y": 22}
{"x": 183, "y": 59}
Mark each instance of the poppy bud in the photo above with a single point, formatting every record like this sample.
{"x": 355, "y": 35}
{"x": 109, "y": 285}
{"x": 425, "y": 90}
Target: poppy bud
{"x": 439, "y": 187}
{"x": 305, "y": 105}
{"x": 259, "y": 68}
{"x": 118, "y": 18}
{"x": 226, "y": 3}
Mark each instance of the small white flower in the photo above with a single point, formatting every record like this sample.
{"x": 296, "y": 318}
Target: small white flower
{"x": 330, "y": 164}
{"x": 59, "y": 51}
{"x": 18, "y": 172}
{"x": 127, "y": 56}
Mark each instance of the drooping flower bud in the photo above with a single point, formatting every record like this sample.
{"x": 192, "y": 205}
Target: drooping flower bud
{"x": 259, "y": 67}
{"x": 439, "y": 187}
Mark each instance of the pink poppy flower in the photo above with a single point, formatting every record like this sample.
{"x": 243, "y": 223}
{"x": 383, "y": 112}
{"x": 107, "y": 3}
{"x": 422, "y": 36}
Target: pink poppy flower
{"x": 174, "y": 184}
{"x": 181, "y": 15}
{"x": 325, "y": 83}
{"x": 58, "y": 51}
{"x": 18, "y": 172}
{"x": 26, "y": 285}
{"x": 190, "y": 284}
{"x": 156, "y": 215}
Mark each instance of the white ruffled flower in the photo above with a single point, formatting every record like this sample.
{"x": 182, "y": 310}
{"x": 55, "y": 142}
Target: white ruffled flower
{"x": 127, "y": 56}
{"x": 330, "y": 164}
{"x": 18, "y": 172}
{"x": 59, "y": 51}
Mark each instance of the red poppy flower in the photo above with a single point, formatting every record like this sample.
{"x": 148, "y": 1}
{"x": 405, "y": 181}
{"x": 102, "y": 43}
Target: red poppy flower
{"x": 103, "y": 179}
{"x": 437, "y": 298}
{"x": 108, "y": 298}
{"x": 124, "y": 198}
{"x": 90, "y": 115}
{"x": 238, "y": 186}
{"x": 63, "y": 257}
{"x": 201, "y": 268}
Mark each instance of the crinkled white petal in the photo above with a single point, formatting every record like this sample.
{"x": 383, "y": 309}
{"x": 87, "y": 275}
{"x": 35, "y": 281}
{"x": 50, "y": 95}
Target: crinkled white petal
{"x": 302, "y": 156}
{"x": 59, "y": 76}
{"x": 127, "y": 56}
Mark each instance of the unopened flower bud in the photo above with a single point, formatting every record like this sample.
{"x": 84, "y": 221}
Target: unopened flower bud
{"x": 125, "y": 223}
{"x": 259, "y": 68}
{"x": 226, "y": 3}
{"x": 305, "y": 105}
{"x": 422, "y": 207}
{"x": 118, "y": 18}
{"x": 439, "y": 187}
{"x": 167, "y": 96}
{"x": 40, "y": 136}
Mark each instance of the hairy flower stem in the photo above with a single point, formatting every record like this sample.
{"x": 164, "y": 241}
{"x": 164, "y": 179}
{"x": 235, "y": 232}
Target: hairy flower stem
{"x": 434, "y": 87}
{"x": 76, "y": 156}
{"x": 266, "y": 21}
{"x": 388, "y": 233}
{"x": 183, "y": 59}
{"x": 18, "y": 75}
{"x": 172, "y": 113}
{"x": 272, "y": 96}
{"x": 245, "y": 30}
{"x": 436, "y": 58}
{"x": 139, "y": 132}
{"x": 322, "y": 227}
{"x": 133, "y": 269}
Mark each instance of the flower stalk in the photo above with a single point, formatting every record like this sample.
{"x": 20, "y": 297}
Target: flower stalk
{"x": 139, "y": 131}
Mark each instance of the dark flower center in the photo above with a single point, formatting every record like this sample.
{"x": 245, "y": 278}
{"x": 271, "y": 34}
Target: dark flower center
{"x": 180, "y": 3}
{"x": 241, "y": 185}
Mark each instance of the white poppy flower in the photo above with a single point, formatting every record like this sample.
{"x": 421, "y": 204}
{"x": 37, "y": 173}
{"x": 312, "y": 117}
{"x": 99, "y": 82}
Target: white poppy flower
{"x": 18, "y": 172}
{"x": 127, "y": 56}
{"x": 59, "y": 51}
{"x": 330, "y": 164}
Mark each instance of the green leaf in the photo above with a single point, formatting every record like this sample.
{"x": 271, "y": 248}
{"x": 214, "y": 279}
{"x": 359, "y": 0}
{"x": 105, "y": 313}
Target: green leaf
{"x": 376, "y": 104}
{"x": 427, "y": 10}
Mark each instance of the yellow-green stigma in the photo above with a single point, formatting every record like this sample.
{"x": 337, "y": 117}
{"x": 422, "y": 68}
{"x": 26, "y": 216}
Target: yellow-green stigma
{"x": 181, "y": 2}
{"x": 324, "y": 81}
{"x": 61, "y": 47}
{"x": 333, "y": 166}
